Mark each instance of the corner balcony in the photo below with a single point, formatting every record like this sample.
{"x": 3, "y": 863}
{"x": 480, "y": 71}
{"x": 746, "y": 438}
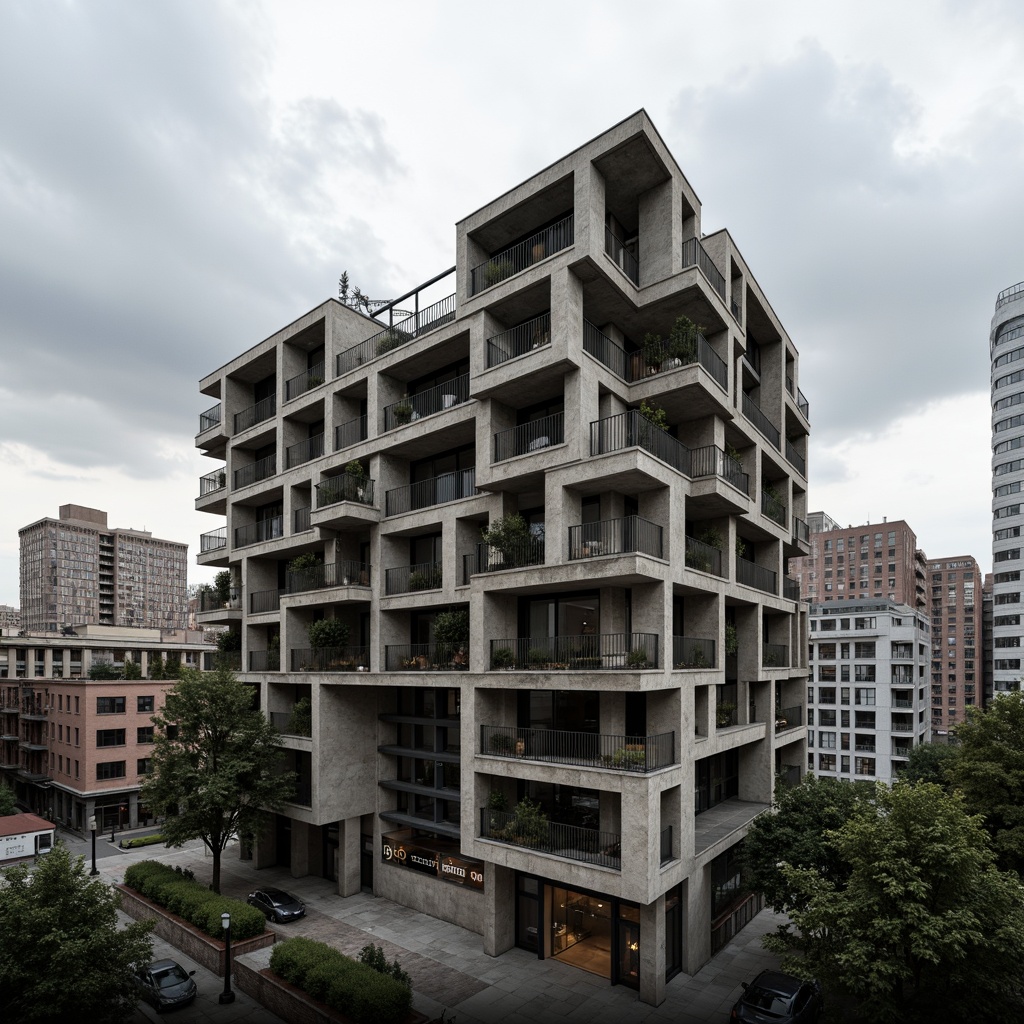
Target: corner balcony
{"x": 263, "y": 469}
{"x": 304, "y": 451}
{"x": 795, "y": 459}
{"x": 584, "y": 653}
{"x": 774, "y": 508}
{"x": 427, "y": 403}
{"x": 211, "y": 428}
{"x": 638, "y": 754}
{"x": 211, "y": 601}
{"x": 330, "y": 659}
{"x": 567, "y": 841}
{"x": 350, "y": 433}
{"x": 258, "y": 533}
{"x": 529, "y": 437}
{"x": 801, "y": 531}
{"x": 753, "y": 412}
{"x": 629, "y": 535}
{"x": 305, "y": 381}
{"x": 517, "y": 341}
{"x": 695, "y": 255}
{"x": 213, "y": 547}
{"x": 517, "y": 258}
{"x": 622, "y": 256}
{"x": 426, "y": 658}
{"x": 632, "y": 430}
{"x": 344, "y": 502}
{"x": 213, "y": 482}
{"x": 258, "y": 413}
{"x": 333, "y": 574}
{"x": 263, "y": 601}
{"x": 437, "y": 490}
{"x": 512, "y": 556}
{"x": 789, "y": 718}
{"x": 693, "y": 652}
{"x": 406, "y": 579}
{"x": 801, "y": 400}
{"x": 774, "y": 656}
{"x": 790, "y": 589}
{"x": 757, "y": 576}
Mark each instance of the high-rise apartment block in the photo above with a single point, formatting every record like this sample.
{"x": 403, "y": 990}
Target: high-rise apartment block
{"x": 1006, "y": 349}
{"x": 870, "y": 562}
{"x": 77, "y": 570}
{"x": 957, "y": 640}
{"x": 556, "y": 734}
{"x": 868, "y": 695}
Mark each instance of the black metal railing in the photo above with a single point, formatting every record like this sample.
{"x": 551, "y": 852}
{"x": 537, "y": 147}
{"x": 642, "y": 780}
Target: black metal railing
{"x": 214, "y": 540}
{"x": 703, "y": 557}
{"x": 333, "y": 574}
{"x": 790, "y": 589}
{"x": 666, "y": 845}
{"x": 632, "y": 430}
{"x": 300, "y": 519}
{"x": 344, "y": 487}
{"x": 621, "y": 256}
{"x": 774, "y": 655}
{"x": 305, "y": 381}
{"x": 330, "y": 659}
{"x": 570, "y": 842}
{"x": 694, "y": 254}
{"x": 255, "y": 472}
{"x": 304, "y": 451}
{"x": 693, "y": 652}
{"x": 256, "y": 533}
{"x": 350, "y": 433}
{"x": 736, "y": 307}
{"x": 795, "y": 459}
{"x": 789, "y": 718}
{"x": 789, "y": 775}
{"x": 529, "y": 437}
{"x": 582, "y": 653}
{"x": 710, "y": 460}
{"x": 264, "y": 601}
{"x": 257, "y": 413}
{"x": 757, "y": 576}
{"x": 774, "y": 508}
{"x": 639, "y": 754}
{"x": 529, "y": 551}
{"x": 210, "y": 418}
{"x": 406, "y": 578}
{"x": 435, "y": 491}
{"x": 519, "y": 340}
{"x": 802, "y": 404}
{"x": 441, "y": 657}
{"x": 426, "y": 403}
{"x": 287, "y": 723}
{"x": 616, "y": 537}
{"x": 606, "y": 351}
{"x": 801, "y": 531}
{"x": 215, "y": 481}
{"x": 211, "y": 601}
{"x": 401, "y": 332}
{"x": 764, "y": 425}
{"x": 264, "y": 661}
{"x": 517, "y": 258}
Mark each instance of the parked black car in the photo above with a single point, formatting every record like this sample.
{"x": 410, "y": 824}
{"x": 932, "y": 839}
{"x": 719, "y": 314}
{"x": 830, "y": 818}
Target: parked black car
{"x": 776, "y": 998}
{"x": 165, "y": 984}
{"x": 277, "y": 904}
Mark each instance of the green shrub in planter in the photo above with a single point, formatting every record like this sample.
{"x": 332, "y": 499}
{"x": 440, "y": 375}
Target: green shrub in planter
{"x": 328, "y": 633}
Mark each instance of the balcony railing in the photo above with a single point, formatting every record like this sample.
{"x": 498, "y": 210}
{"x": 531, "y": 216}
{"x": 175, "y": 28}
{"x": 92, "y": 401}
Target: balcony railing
{"x": 264, "y": 661}
{"x": 264, "y": 601}
{"x": 305, "y": 381}
{"x": 621, "y": 256}
{"x": 529, "y": 551}
{"x": 756, "y": 576}
{"x": 616, "y": 537}
{"x": 517, "y": 258}
{"x": 255, "y": 472}
{"x": 344, "y": 487}
{"x": 790, "y": 589}
{"x": 902, "y": 703}
{"x": 350, "y": 433}
{"x": 214, "y": 540}
{"x": 901, "y": 749}
{"x": 519, "y": 340}
{"x": 764, "y": 425}
{"x": 693, "y": 652}
{"x": 802, "y": 404}
{"x": 330, "y": 659}
{"x": 287, "y": 724}
{"x": 666, "y": 845}
{"x": 212, "y": 482}
{"x": 774, "y": 655}
{"x": 256, "y": 533}
{"x": 789, "y": 718}
{"x": 583, "y": 653}
{"x": 304, "y": 451}
{"x": 712, "y": 461}
{"x": 426, "y": 403}
{"x": 795, "y": 459}
{"x": 638, "y": 754}
{"x": 257, "y": 413}
{"x": 300, "y": 520}
{"x": 406, "y": 578}
{"x": 632, "y": 430}
{"x": 774, "y": 507}
{"x": 211, "y": 601}
{"x": 703, "y": 557}
{"x": 427, "y": 493}
{"x": 426, "y": 657}
{"x": 210, "y": 418}
{"x": 529, "y": 437}
{"x": 401, "y": 332}
{"x": 567, "y": 841}
{"x": 801, "y": 531}
{"x": 694, "y": 254}
{"x": 333, "y": 574}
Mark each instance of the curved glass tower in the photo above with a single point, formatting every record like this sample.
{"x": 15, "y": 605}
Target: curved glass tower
{"x": 1006, "y": 348}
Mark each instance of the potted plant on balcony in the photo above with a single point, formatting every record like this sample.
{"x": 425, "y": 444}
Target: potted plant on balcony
{"x": 697, "y": 658}
{"x": 733, "y": 455}
{"x": 328, "y": 634}
{"x": 222, "y": 585}
{"x": 420, "y": 581}
{"x": 503, "y": 658}
{"x": 357, "y": 475}
{"x": 511, "y": 537}
{"x": 653, "y": 352}
{"x": 723, "y": 714}
{"x": 403, "y": 411}
{"x": 451, "y": 634}
{"x": 537, "y": 657}
{"x": 530, "y": 826}
{"x": 497, "y": 270}
{"x": 682, "y": 342}
{"x": 637, "y": 658}
{"x": 391, "y": 338}
{"x": 731, "y": 639}
{"x": 502, "y": 743}
{"x": 300, "y": 721}
{"x": 652, "y": 418}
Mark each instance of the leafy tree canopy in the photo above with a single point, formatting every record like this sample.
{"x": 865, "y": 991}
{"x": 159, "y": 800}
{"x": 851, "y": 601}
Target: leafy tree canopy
{"x": 62, "y": 954}
{"x": 220, "y": 771}
{"x": 929, "y": 762}
{"x": 7, "y": 804}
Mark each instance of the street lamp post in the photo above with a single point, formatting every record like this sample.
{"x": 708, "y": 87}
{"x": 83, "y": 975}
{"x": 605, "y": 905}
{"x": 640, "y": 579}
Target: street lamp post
{"x": 227, "y": 996}
{"x": 92, "y": 828}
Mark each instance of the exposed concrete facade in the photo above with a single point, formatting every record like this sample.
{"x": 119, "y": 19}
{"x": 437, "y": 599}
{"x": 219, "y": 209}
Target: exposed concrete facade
{"x": 637, "y": 646}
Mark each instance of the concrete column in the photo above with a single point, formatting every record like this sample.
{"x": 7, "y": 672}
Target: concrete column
{"x": 349, "y": 852}
{"x": 499, "y": 911}
{"x": 264, "y": 850}
{"x": 697, "y": 924}
{"x": 304, "y": 844}
{"x": 133, "y": 810}
{"x": 652, "y": 952}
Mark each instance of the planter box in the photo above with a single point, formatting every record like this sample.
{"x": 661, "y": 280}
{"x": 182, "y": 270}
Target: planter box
{"x": 186, "y": 937}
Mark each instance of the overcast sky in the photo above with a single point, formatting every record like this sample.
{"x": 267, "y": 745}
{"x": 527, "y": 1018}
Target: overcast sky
{"x": 180, "y": 179}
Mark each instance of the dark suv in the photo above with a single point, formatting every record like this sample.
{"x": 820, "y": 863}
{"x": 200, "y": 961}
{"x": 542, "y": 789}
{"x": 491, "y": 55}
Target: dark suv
{"x": 777, "y": 998}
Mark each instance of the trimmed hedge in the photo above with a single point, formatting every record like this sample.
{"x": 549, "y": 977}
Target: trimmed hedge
{"x": 174, "y": 890}
{"x": 342, "y": 983}
{"x": 131, "y": 844}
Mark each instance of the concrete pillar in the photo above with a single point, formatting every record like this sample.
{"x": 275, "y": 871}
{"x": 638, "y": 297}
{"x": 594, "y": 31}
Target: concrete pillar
{"x": 349, "y": 853}
{"x": 305, "y": 838}
{"x": 652, "y": 952}
{"x": 499, "y": 910}
{"x": 697, "y": 923}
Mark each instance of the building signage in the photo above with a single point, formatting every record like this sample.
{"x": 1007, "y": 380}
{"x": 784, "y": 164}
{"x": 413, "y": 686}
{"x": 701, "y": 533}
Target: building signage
{"x": 448, "y": 867}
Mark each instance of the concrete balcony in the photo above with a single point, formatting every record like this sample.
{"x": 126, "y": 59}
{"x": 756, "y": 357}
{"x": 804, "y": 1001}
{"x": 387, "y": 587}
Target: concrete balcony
{"x": 585, "y": 653}
{"x": 638, "y": 754}
{"x": 569, "y": 842}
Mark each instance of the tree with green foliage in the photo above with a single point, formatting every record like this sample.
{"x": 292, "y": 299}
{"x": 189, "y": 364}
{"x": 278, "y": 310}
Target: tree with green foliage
{"x": 929, "y": 762}
{"x": 796, "y": 831}
{"x": 7, "y": 801}
{"x": 218, "y": 773}
{"x": 924, "y": 927}
{"x": 222, "y": 586}
{"x": 989, "y": 769}
{"x": 63, "y": 955}
{"x": 105, "y": 670}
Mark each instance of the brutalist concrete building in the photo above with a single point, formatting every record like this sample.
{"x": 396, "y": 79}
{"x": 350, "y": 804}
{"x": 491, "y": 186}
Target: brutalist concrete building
{"x": 509, "y": 562}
